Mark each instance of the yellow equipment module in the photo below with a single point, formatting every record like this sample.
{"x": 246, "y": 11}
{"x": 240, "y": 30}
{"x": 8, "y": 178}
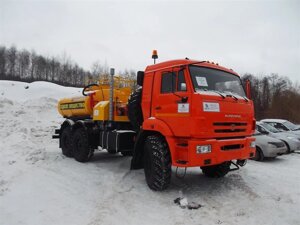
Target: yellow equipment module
{"x": 95, "y": 102}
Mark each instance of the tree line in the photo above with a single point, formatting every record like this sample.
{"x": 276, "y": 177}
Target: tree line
{"x": 28, "y": 66}
{"x": 274, "y": 96}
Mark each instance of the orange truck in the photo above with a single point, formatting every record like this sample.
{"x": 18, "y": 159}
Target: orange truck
{"x": 184, "y": 113}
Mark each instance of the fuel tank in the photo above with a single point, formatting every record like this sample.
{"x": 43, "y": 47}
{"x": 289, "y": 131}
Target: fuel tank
{"x": 75, "y": 107}
{"x": 83, "y": 106}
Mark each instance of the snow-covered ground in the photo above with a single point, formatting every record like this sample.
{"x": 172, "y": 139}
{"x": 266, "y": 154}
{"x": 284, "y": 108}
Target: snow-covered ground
{"x": 38, "y": 185}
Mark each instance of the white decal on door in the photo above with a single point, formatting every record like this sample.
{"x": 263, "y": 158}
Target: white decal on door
{"x": 211, "y": 107}
{"x": 183, "y": 107}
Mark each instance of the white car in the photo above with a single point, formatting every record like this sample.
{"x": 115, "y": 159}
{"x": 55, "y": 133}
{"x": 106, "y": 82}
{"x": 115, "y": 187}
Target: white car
{"x": 292, "y": 141}
{"x": 283, "y": 125}
{"x": 268, "y": 147}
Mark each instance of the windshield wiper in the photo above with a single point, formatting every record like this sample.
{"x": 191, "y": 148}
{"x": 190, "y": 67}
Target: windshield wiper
{"x": 215, "y": 91}
{"x": 236, "y": 98}
{"x": 232, "y": 95}
{"x": 246, "y": 99}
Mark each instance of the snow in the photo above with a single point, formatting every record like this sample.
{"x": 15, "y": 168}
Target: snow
{"x": 38, "y": 185}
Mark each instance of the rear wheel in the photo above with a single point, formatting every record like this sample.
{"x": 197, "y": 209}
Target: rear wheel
{"x": 157, "y": 163}
{"x": 82, "y": 149}
{"x": 259, "y": 156}
{"x": 216, "y": 171}
{"x": 66, "y": 142}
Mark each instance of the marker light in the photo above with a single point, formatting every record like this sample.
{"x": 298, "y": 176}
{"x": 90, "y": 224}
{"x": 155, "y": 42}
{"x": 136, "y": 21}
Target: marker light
{"x": 154, "y": 54}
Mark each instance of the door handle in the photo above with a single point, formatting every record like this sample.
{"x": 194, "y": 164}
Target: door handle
{"x": 158, "y": 107}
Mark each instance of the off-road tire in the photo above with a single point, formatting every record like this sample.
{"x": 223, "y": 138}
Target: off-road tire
{"x": 259, "y": 156}
{"x": 66, "y": 142}
{"x": 216, "y": 171}
{"x": 135, "y": 113}
{"x": 157, "y": 163}
{"x": 82, "y": 149}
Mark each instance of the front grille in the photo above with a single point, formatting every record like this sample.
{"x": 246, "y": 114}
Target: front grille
{"x": 229, "y": 127}
{"x": 232, "y": 147}
{"x": 226, "y": 138}
{"x": 229, "y": 130}
{"x": 229, "y": 124}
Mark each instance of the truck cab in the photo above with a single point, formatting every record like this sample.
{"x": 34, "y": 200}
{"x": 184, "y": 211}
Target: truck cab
{"x": 200, "y": 111}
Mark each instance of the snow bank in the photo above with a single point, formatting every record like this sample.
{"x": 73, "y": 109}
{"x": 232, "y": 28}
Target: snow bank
{"x": 38, "y": 185}
{"x": 22, "y": 91}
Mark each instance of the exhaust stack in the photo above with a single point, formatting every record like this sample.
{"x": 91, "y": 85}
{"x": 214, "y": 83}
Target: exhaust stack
{"x": 111, "y": 94}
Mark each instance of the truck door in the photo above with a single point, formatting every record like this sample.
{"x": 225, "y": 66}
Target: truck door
{"x": 172, "y": 100}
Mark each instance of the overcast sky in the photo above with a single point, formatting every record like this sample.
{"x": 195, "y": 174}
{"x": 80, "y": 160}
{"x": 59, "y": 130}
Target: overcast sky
{"x": 259, "y": 37}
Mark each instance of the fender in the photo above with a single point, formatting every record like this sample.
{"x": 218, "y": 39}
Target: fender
{"x": 156, "y": 125}
{"x": 151, "y": 126}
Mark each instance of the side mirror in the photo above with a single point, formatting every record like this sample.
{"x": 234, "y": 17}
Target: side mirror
{"x": 183, "y": 86}
{"x": 140, "y": 78}
{"x": 248, "y": 89}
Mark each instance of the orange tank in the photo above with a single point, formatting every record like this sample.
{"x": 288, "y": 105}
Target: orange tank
{"x": 83, "y": 106}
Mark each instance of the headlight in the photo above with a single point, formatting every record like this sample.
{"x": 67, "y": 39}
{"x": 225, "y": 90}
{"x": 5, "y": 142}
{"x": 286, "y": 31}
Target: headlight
{"x": 273, "y": 144}
{"x": 252, "y": 144}
{"x": 202, "y": 149}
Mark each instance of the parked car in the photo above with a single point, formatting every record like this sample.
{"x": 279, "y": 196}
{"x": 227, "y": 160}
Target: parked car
{"x": 268, "y": 147}
{"x": 291, "y": 140}
{"x": 283, "y": 125}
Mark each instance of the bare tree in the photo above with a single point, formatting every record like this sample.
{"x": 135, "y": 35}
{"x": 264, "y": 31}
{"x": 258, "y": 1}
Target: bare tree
{"x": 12, "y": 60}
{"x": 2, "y": 62}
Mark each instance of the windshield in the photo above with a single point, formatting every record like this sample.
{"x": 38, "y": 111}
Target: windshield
{"x": 290, "y": 125}
{"x": 269, "y": 128}
{"x": 207, "y": 79}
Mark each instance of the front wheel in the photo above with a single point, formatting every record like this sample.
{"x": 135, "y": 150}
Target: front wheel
{"x": 259, "y": 156}
{"x": 157, "y": 163}
{"x": 216, "y": 171}
{"x": 288, "y": 147}
{"x": 81, "y": 146}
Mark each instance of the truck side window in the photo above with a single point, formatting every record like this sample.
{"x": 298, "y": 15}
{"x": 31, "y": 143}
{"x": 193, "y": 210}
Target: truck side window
{"x": 168, "y": 82}
{"x": 181, "y": 84}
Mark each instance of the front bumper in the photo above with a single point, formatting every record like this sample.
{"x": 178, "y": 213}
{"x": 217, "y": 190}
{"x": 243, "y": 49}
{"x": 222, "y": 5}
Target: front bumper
{"x": 184, "y": 151}
{"x": 273, "y": 151}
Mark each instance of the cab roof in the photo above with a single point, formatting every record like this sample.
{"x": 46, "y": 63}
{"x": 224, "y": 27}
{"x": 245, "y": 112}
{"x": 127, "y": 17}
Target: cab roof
{"x": 184, "y": 62}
